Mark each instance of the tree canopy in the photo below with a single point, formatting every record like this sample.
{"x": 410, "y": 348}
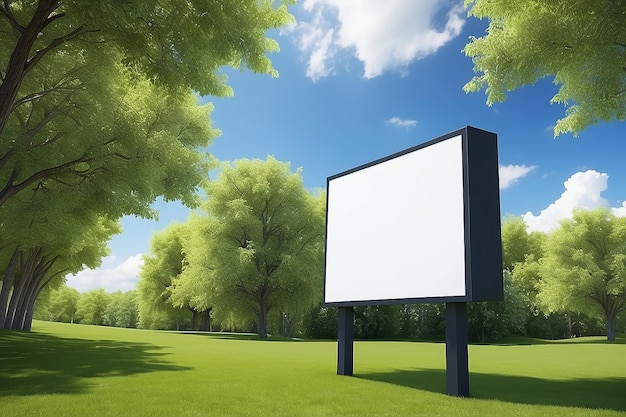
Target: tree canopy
{"x": 584, "y": 267}
{"x": 581, "y": 44}
{"x": 258, "y": 247}
{"x": 177, "y": 46}
{"x": 99, "y": 116}
{"x": 159, "y": 274}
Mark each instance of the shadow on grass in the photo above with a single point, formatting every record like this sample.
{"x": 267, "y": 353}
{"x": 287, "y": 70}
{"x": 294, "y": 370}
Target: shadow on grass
{"x": 34, "y": 363}
{"x": 586, "y": 393}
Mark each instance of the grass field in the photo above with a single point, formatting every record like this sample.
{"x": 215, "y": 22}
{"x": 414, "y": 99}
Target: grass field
{"x": 73, "y": 370}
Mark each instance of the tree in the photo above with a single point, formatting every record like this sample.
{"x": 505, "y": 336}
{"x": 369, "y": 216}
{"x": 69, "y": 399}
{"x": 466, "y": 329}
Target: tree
{"x": 517, "y": 243}
{"x": 260, "y": 243}
{"x": 64, "y": 304}
{"x": 92, "y": 307}
{"x": 178, "y": 46}
{"x": 584, "y": 267}
{"x": 321, "y": 322}
{"x": 38, "y": 250}
{"x": 98, "y": 103}
{"x": 161, "y": 270}
{"x": 122, "y": 309}
{"x": 490, "y": 321}
{"x": 582, "y": 44}
{"x": 377, "y": 321}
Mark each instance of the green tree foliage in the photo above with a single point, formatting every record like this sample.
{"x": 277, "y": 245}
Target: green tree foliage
{"x": 92, "y": 307}
{"x": 584, "y": 267}
{"x": 377, "y": 322}
{"x": 98, "y": 106}
{"x": 178, "y": 46}
{"x": 63, "y": 304}
{"x": 582, "y": 44}
{"x": 39, "y": 251}
{"x": 490, "y": 321}
{"x": 161, "y": 270}
{"x": 321, "y": 322}
{"x": 259, "y": 246}
{"x": 517, "y": 243}
{"x": 122, "y": 310}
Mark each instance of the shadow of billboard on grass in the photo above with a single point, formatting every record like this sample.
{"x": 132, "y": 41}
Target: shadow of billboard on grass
{"x": 605, "y": 393}
{"x": 33, "y": 363}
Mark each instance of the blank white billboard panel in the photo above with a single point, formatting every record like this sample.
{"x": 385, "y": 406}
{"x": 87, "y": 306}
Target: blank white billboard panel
{"x": 398, "y": 229}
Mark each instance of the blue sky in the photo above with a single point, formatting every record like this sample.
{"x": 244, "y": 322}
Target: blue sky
{"x": 360, "y": 80}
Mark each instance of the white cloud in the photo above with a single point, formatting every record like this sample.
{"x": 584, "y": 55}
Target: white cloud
{"x": 317, "y": 37}
{"x": 509, "y": 174}
{"x": 112, "y": 276}
{"x": 582, "y": 190}
{"x": 396, "y": 121}
{"x": 620, "y": 211}
{"x": 384, "y": 35}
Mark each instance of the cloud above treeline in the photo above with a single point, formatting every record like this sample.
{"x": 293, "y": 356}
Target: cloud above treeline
{"x": 112, "y": 275}
{"x": 383, "y": 35}
{"x": 583, "y": 190}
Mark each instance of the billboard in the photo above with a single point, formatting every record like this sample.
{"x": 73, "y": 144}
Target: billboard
{"x": 421, "y": 225}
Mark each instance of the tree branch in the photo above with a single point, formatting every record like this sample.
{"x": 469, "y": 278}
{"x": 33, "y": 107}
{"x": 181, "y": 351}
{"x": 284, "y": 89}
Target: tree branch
{"x": 17, "y": 65}
{"x": 6, "y": 11}
{"x": 11, "y": 189}
{"x": 52, "y": 45}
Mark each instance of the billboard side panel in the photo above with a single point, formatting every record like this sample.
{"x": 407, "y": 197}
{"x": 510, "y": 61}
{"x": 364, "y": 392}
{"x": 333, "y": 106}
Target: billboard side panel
{"x": 485, "y": 239}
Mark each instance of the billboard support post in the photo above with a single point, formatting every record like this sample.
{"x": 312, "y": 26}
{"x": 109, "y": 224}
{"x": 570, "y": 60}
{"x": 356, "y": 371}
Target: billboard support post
{"x": 457, "y": 368}
{"x": 345, "y": 341}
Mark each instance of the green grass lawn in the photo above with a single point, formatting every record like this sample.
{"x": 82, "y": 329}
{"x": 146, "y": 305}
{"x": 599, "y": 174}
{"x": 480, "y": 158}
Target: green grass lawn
{"x": 74, "y": 370}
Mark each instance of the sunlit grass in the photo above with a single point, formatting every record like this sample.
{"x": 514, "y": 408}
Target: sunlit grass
{"x": 73, "y": 370}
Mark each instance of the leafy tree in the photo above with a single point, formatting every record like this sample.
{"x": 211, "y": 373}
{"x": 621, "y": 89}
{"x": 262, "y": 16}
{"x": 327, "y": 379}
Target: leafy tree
{"x": 432, "y": 321}
{"x": 92, "y": 307}
{"x": 161, "y": 268}
{"x": 582, "y": 44}
{"x": 517, "y": 243}
{"x": 377, "y": 322}
{"x": 584, "y": 267}
{"x": 178, "y": 46}
{"x": 64, "y": 304}
{"x": 98, "y": 103}
{"x": 321, "y": 322}
{"x": 43, "y": 249}
{"x": 122, "y": 309}
{"x": 260, "y": 243}
{"x": 490, "y": 321}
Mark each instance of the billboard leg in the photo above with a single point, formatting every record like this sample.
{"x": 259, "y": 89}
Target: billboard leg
{"x": 345, "y": 340}
{"x": 457, "y": 369}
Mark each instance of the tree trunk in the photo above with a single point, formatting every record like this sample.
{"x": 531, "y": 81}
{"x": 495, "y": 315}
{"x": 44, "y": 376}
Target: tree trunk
{"x": 286, "y": 324}
{"x": 7, "y": 283}
{"x": 205, "y": 323}
{"x": 18, "y": 64}
{"x": 194, "y": 319}
{"x": 569, "y": 326}
{"x": 611, "y": 325}
{"x": 33, "y": 278}
{"x": 19, "y": 286}
{"x": 29, "y": 294}
{"x": 28, "y": 319}
{"x": 262, "y": 325}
